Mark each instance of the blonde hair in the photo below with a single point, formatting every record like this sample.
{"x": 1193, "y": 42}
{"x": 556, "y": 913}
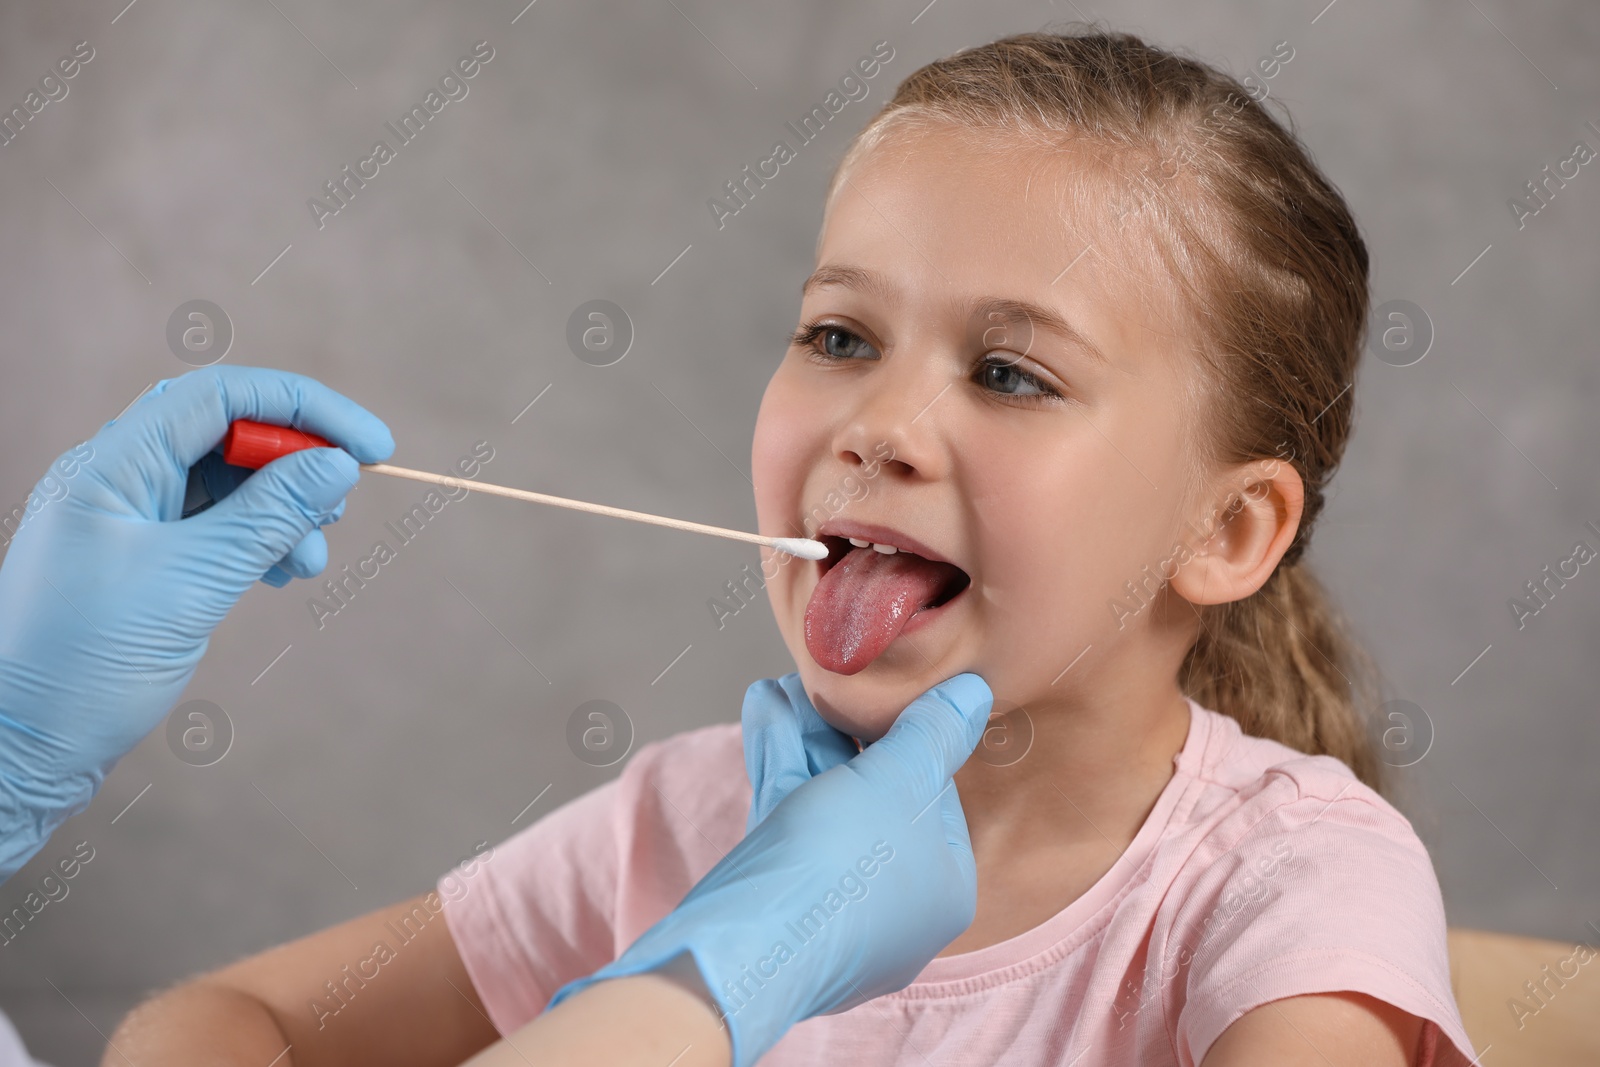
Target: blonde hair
{"x": 1272, "y": 273}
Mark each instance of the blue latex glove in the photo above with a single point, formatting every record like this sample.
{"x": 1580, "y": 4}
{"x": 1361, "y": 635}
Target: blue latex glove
{"x": 847, "y": 884}
{"x": 786, "y": 742}
{"x": 108, "y": 595}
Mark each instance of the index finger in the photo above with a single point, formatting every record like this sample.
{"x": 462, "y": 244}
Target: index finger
{"x": 785, "y": 742}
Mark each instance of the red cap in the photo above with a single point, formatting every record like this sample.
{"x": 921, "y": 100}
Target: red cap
{"x": 255, "y": 444}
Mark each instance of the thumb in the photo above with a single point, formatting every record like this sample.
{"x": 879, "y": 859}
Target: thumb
{"x": 930, "y": 740}
{"x": 277, "y": 506}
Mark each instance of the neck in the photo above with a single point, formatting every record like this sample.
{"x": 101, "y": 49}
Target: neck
{"x": 1048, "y": 825}
{"x": 1109, "y": 753}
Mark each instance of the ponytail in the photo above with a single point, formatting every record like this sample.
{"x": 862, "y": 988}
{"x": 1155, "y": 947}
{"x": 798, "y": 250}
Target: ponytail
{"x": 1282, "y": 663}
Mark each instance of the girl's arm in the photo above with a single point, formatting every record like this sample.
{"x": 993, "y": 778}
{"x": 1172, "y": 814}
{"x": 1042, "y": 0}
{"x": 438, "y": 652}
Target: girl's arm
{"x": 388, "y": 987}
{"x": 1337, "y": 1029}
{"x": 644, "y": 1020}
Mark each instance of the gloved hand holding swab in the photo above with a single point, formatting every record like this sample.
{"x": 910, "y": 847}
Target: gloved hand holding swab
{"x": 255, "y": 444}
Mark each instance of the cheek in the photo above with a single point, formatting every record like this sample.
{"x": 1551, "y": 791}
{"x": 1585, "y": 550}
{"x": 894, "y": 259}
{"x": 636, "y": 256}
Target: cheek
{"x": 1061, "y": 532}
{"x": 784, "y": 448}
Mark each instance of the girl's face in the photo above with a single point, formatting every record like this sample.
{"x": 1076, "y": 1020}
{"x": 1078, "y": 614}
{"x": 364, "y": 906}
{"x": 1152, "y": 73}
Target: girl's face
{"x": 979, "y": 383}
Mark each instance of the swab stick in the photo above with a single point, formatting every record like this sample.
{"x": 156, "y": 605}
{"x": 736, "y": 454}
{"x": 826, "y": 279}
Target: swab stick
{"x": 255, "y": 444}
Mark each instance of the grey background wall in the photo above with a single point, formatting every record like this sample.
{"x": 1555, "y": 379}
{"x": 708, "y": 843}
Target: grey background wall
{"x": 427, "y": 715}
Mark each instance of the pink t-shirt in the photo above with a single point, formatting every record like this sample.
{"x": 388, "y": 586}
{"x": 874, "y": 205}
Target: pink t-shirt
{"x": 1261, "y": 873}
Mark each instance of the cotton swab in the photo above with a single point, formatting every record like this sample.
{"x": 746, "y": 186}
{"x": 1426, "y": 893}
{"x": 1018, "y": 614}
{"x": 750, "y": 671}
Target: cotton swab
{"x": 255, "y": 444}
{"x": 794, "y": 546}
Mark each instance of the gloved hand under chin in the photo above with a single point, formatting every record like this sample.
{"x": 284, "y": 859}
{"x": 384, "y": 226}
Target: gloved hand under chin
{"x": 108, "y": 594}
{"x": 856, "y": 871}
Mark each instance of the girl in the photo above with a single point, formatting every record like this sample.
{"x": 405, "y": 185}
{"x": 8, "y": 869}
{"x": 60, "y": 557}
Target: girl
{"x": 1092, "y": 318}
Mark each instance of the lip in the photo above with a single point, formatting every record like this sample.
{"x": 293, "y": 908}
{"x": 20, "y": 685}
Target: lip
{"x": 883, "y": 535}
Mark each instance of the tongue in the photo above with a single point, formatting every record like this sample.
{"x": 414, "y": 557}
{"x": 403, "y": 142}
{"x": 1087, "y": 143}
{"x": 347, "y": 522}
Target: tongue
{"x": 863, "y": 602}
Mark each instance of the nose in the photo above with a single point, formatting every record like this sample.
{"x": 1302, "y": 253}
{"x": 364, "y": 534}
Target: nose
{"x": 896, "y": 420}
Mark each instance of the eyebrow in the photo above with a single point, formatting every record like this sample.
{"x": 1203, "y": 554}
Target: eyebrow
{"x": 1002, "y": 308}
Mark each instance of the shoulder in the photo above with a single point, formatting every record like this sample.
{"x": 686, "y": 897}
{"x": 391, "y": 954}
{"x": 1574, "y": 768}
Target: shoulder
{"x": 1243, "y": 780}
{"x": 703, "y": 766}
{"x": 1299, "y": 840}
{"x": 1296, "y": 878}
{"x": 721, "y": 742}
{"x": 683, "y": 794}
{"x": 566, "y": 894}
{"x": 690, "y": 788}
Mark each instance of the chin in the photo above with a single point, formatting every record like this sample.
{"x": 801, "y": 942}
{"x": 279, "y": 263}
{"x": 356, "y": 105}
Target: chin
{"x": 859, "y": 705}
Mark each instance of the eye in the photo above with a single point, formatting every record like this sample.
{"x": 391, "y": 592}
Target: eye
{"x": 831, "y": 342}
{"x": 1002, "y": 376}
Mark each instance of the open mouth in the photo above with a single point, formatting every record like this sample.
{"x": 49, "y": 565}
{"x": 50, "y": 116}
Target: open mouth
{"x": 952, "y": 579}
{"x": 868, "y": 593}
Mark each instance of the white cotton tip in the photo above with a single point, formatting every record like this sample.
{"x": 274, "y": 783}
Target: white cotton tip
{"x": 802, "y": 547}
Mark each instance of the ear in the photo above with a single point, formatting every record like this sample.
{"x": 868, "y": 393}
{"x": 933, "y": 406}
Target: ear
{"x": 1253, "y": 518}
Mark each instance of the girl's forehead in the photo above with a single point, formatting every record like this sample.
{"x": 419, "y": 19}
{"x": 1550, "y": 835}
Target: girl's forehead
{"x": 1023, "y": 203}
{"x": 947, "y": 217}
{"x": 985, "y": 212}
{"x": 1033, "y": 170}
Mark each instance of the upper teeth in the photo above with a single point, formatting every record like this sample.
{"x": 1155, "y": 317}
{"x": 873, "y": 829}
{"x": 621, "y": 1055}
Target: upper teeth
{"x": 887, "y": 550}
